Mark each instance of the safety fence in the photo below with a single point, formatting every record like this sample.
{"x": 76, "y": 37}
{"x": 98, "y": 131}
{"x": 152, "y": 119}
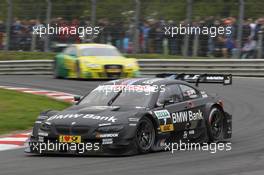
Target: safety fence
{"x": 137, "y": 26}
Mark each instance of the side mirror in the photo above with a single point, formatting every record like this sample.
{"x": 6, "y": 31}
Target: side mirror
{"x": 77, "y": 98}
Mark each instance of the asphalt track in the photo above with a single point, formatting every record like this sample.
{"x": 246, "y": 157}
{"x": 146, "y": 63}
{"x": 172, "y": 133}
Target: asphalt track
{"x": 244, "y": 99}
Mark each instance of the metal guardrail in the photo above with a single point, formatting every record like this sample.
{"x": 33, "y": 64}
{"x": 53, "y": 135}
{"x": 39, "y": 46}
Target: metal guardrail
{"x": 237, "y": 67}
{"x": 26, "y": 67}
{"x": 150, "y": 67}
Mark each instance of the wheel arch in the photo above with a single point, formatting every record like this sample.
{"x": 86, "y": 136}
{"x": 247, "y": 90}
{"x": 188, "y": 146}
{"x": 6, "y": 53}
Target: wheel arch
{"x": 210, "y": 106}
{"x": 152, "y": 119}
{"x": 149, "y": 116}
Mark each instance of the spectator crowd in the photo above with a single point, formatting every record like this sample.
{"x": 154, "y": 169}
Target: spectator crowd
{"x": 151, "y": 36}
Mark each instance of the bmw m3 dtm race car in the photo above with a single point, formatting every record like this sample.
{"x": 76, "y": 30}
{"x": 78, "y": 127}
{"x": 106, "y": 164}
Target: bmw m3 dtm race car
{"x": 138, "y": 115}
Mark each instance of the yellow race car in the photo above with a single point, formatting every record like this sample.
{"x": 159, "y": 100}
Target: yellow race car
{"x": 98, "y": 61}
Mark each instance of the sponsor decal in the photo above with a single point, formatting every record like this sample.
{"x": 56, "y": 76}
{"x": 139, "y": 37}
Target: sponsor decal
{"x": 190, "y": 92}
{"x": 107, "y": 141}
{"x": 166, "y": 128}
{"x": 84, "y": 116}
{"x": 189, "y": 77}
{"x": 162, "y": 114}
{"x": 215, "y": 78}
{"x": 132, "y": 124}
{"x": 105, "y": 124}
{"x": 107, "y": 135}
{"x": 69, "y": 139}
{"x": 208, "y": 78}
{"x": 191, "y": 132}
{"x": 195, "y": 77}
{"x": 165, "y": 120}
{"x": 185, "y": 116}
{"x": 133, "y": 119}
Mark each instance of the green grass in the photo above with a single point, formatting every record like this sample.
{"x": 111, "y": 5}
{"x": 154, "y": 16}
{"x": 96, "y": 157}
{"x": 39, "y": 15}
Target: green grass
{"x": 15, "y": 55}
{"x": 18, "y": 111}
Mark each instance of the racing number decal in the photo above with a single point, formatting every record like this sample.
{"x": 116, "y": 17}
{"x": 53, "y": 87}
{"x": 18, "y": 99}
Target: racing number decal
{"x": 165, "y": 120}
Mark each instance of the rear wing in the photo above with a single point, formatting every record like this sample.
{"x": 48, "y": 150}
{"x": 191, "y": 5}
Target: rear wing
{"x": 225, "y": 79}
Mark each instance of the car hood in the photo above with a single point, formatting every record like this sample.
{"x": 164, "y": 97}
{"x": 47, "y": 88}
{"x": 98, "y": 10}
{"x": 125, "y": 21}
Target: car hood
{"x": 94, "y": 115}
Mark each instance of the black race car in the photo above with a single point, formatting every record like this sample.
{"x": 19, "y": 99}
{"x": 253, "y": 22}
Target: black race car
{"x": 139, "y": 115}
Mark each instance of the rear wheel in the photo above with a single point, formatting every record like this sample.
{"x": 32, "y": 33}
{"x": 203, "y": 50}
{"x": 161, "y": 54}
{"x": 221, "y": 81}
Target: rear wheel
{"x": 215, "y": 125}
{"x": 145, "y": 135}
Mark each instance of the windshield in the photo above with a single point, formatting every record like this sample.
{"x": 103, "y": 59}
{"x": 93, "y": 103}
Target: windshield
{"x": 99, "y": 52}
{"x": 118, "y": 96}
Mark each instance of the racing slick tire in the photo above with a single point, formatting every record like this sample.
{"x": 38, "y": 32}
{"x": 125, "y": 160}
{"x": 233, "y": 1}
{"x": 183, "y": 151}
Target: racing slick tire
{"x": 145, "y": 136}
{"x": 215, "y": 125}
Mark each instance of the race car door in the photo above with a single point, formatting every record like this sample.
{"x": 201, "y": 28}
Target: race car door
{"x": 195, "y": 106}
{"x": 170, "y": 112}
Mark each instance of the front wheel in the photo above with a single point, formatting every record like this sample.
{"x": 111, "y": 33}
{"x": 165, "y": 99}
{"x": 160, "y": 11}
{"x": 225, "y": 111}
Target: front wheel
{"x": 215, "y": 125}
{"x": 145, "y": 135}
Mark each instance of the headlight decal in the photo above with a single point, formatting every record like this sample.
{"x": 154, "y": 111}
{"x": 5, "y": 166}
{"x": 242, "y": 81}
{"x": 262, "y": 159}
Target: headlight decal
{"x": 112, "y": 128}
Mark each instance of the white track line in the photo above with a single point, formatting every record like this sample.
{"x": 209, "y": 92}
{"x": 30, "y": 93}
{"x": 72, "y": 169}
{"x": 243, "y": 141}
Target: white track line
{"x": 4, "y": 147}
